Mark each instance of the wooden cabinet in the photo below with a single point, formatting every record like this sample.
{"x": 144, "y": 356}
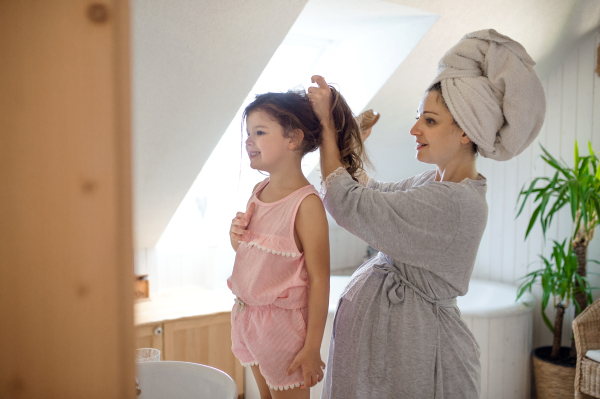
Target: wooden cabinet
{"x": 150, "y": 336}
{"x": 202, "y": 339}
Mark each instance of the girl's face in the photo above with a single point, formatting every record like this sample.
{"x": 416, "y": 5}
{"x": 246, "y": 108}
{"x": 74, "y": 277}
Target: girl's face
{"x": 437, "y": 137}
{"x": 266, "y": 144}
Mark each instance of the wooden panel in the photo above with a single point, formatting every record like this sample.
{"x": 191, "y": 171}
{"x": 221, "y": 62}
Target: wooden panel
{"x": 535, "y": 240}
{"x": 509, "y": 225}
{"x": 513, "y": 335}
{"x": 585, "y": 92}
{"x": 496, "y": 223}
{"x": 568, "y": 134}
{"x": 596, "y": 102}
{"x": 568, "y": 123}
{"x": 522, "y": 247}
{"x": 481, "y": 330}
{"x": 482, "y": 263}
{"x": 522, "y": 354}
{"x": 553, "y": 119}
{"x": 65, "y": 282}
{"x": 594, "y": 247}
{"x": 529, "y": 370}
{"x": 496, "y": 359}
{"x": 146, "y": 337}
{"x": 204, "y": 340}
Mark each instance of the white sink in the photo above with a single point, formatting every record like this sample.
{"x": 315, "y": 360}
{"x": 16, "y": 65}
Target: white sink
{"x": 182, "y": 380}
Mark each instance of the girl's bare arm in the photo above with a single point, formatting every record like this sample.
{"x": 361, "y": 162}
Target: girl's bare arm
{"x": 313, "y": 232}
{"x": 240, "y": 223}
{"x": 238, "y": 226}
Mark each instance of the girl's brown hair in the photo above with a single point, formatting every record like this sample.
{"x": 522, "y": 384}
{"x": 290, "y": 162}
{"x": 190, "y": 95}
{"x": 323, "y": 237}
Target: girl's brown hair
{"x": 293, "y": 110}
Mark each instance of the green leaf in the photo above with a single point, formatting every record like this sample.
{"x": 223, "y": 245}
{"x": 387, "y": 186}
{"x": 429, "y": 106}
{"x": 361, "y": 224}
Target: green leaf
{"x": 550, "y": 160}
{"x": 522, "y": 290}
{"x": 547, "y": 321}
{"x": 532, "y": 220}
{"x": 526, "y": 194}
{"x": 576, "y": 154}
{"x": 590, "y": 147}
{"x": 573, "y": 196}
{"x": 584, "y": 168}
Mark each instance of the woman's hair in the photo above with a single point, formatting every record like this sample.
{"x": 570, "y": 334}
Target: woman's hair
{"x": 293, "y": 110}
{"x": 437, "y": 87}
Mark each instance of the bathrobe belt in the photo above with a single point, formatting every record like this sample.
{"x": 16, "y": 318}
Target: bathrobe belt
{"x": 393, "y": 293}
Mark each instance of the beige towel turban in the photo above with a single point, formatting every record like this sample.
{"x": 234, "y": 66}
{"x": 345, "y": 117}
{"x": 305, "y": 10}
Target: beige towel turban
{"x": 495, "y": 96}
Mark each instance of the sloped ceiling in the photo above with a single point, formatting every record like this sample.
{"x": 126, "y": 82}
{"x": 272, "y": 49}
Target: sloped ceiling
{"x": 194, "y": 62}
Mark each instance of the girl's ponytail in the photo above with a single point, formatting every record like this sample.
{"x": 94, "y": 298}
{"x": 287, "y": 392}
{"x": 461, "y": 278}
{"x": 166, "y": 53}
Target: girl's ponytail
{"x": 349, "y": 138}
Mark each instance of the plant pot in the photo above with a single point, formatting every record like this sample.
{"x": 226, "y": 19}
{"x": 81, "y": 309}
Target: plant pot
{"x": 553, "y": 379}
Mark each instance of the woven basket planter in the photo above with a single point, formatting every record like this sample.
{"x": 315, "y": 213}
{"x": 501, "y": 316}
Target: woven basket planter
{"x": 552, "y": 381}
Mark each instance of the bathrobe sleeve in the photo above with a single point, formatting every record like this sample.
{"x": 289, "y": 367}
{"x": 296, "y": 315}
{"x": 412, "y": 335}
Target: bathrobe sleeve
{"x": 416, "y": 225}
{"x": 402, "y": 185}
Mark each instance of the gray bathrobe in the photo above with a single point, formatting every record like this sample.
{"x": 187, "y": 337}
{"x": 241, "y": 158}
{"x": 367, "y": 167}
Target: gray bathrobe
{"x": 397, "y": 331}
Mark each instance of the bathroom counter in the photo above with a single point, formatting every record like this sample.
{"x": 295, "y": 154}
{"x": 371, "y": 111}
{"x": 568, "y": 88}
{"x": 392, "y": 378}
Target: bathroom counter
{"x": 182, "y": 302}
{"x": 194, "y": 301}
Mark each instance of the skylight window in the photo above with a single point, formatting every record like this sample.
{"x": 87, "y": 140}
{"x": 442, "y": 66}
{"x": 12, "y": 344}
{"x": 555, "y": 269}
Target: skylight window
{"x": 358, "y": 50}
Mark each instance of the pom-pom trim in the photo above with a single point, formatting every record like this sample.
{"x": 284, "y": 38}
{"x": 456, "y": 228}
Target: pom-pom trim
{"x": 269, "y": 250}
{"x": 286, "y": 387}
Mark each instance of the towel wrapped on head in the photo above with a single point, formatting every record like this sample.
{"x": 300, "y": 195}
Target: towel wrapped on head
{"x": 495, "y": 96}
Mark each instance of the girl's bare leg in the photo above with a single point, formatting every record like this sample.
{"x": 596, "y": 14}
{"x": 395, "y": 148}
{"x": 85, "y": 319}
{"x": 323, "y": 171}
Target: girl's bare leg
{"x": 263, "y": 388}
{"x": 296, "y": 393}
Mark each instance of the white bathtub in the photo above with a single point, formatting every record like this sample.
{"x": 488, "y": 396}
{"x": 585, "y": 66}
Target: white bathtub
{"x": 503, "y": 329}
{"x": 501, "y": 326}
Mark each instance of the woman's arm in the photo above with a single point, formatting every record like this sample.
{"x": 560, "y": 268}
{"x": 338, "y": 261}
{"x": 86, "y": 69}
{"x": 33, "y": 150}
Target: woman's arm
{"x": 313, "y": 232}
{"x": 320, "y": 98}
{"x": 402, "y": 224}
{"x": 385, "y": 187}
{"x": 331, "y": 158}
{"x": 414, "y": 225}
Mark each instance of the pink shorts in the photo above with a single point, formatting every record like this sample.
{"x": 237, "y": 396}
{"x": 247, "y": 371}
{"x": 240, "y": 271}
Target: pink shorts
{"x": 270, "y": 337}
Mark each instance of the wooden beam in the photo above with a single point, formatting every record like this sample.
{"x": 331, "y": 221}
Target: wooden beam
{"x": 66, "y": 256}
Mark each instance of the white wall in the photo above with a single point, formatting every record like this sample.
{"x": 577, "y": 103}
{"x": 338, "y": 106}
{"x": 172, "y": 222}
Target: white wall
{"x": 193, "y": 64}
{"x": 347, "y": 250}
{"x": 573, "y": 113}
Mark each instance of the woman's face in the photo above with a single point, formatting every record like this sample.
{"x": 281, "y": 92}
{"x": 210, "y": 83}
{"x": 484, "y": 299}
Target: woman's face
{"x": 438, "y": 138}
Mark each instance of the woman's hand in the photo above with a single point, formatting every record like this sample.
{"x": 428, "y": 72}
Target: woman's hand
{"x": 312, "y": 366}
{"x": 239, "y": 225}
{"x": 320, "y": 99}
{"x": 366, "y": 121}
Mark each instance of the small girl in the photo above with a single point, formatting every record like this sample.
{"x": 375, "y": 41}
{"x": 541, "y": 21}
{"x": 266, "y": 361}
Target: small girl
{"x": 281, "y": 271}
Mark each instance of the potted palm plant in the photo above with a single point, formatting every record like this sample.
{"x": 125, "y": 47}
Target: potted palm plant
{"x": 564, "y": 276}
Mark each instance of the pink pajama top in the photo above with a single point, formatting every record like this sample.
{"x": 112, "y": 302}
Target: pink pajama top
{"x": 269, "y": 268}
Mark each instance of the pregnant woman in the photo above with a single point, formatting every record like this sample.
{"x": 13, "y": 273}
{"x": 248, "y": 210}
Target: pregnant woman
{"x": 397, "y": 331}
